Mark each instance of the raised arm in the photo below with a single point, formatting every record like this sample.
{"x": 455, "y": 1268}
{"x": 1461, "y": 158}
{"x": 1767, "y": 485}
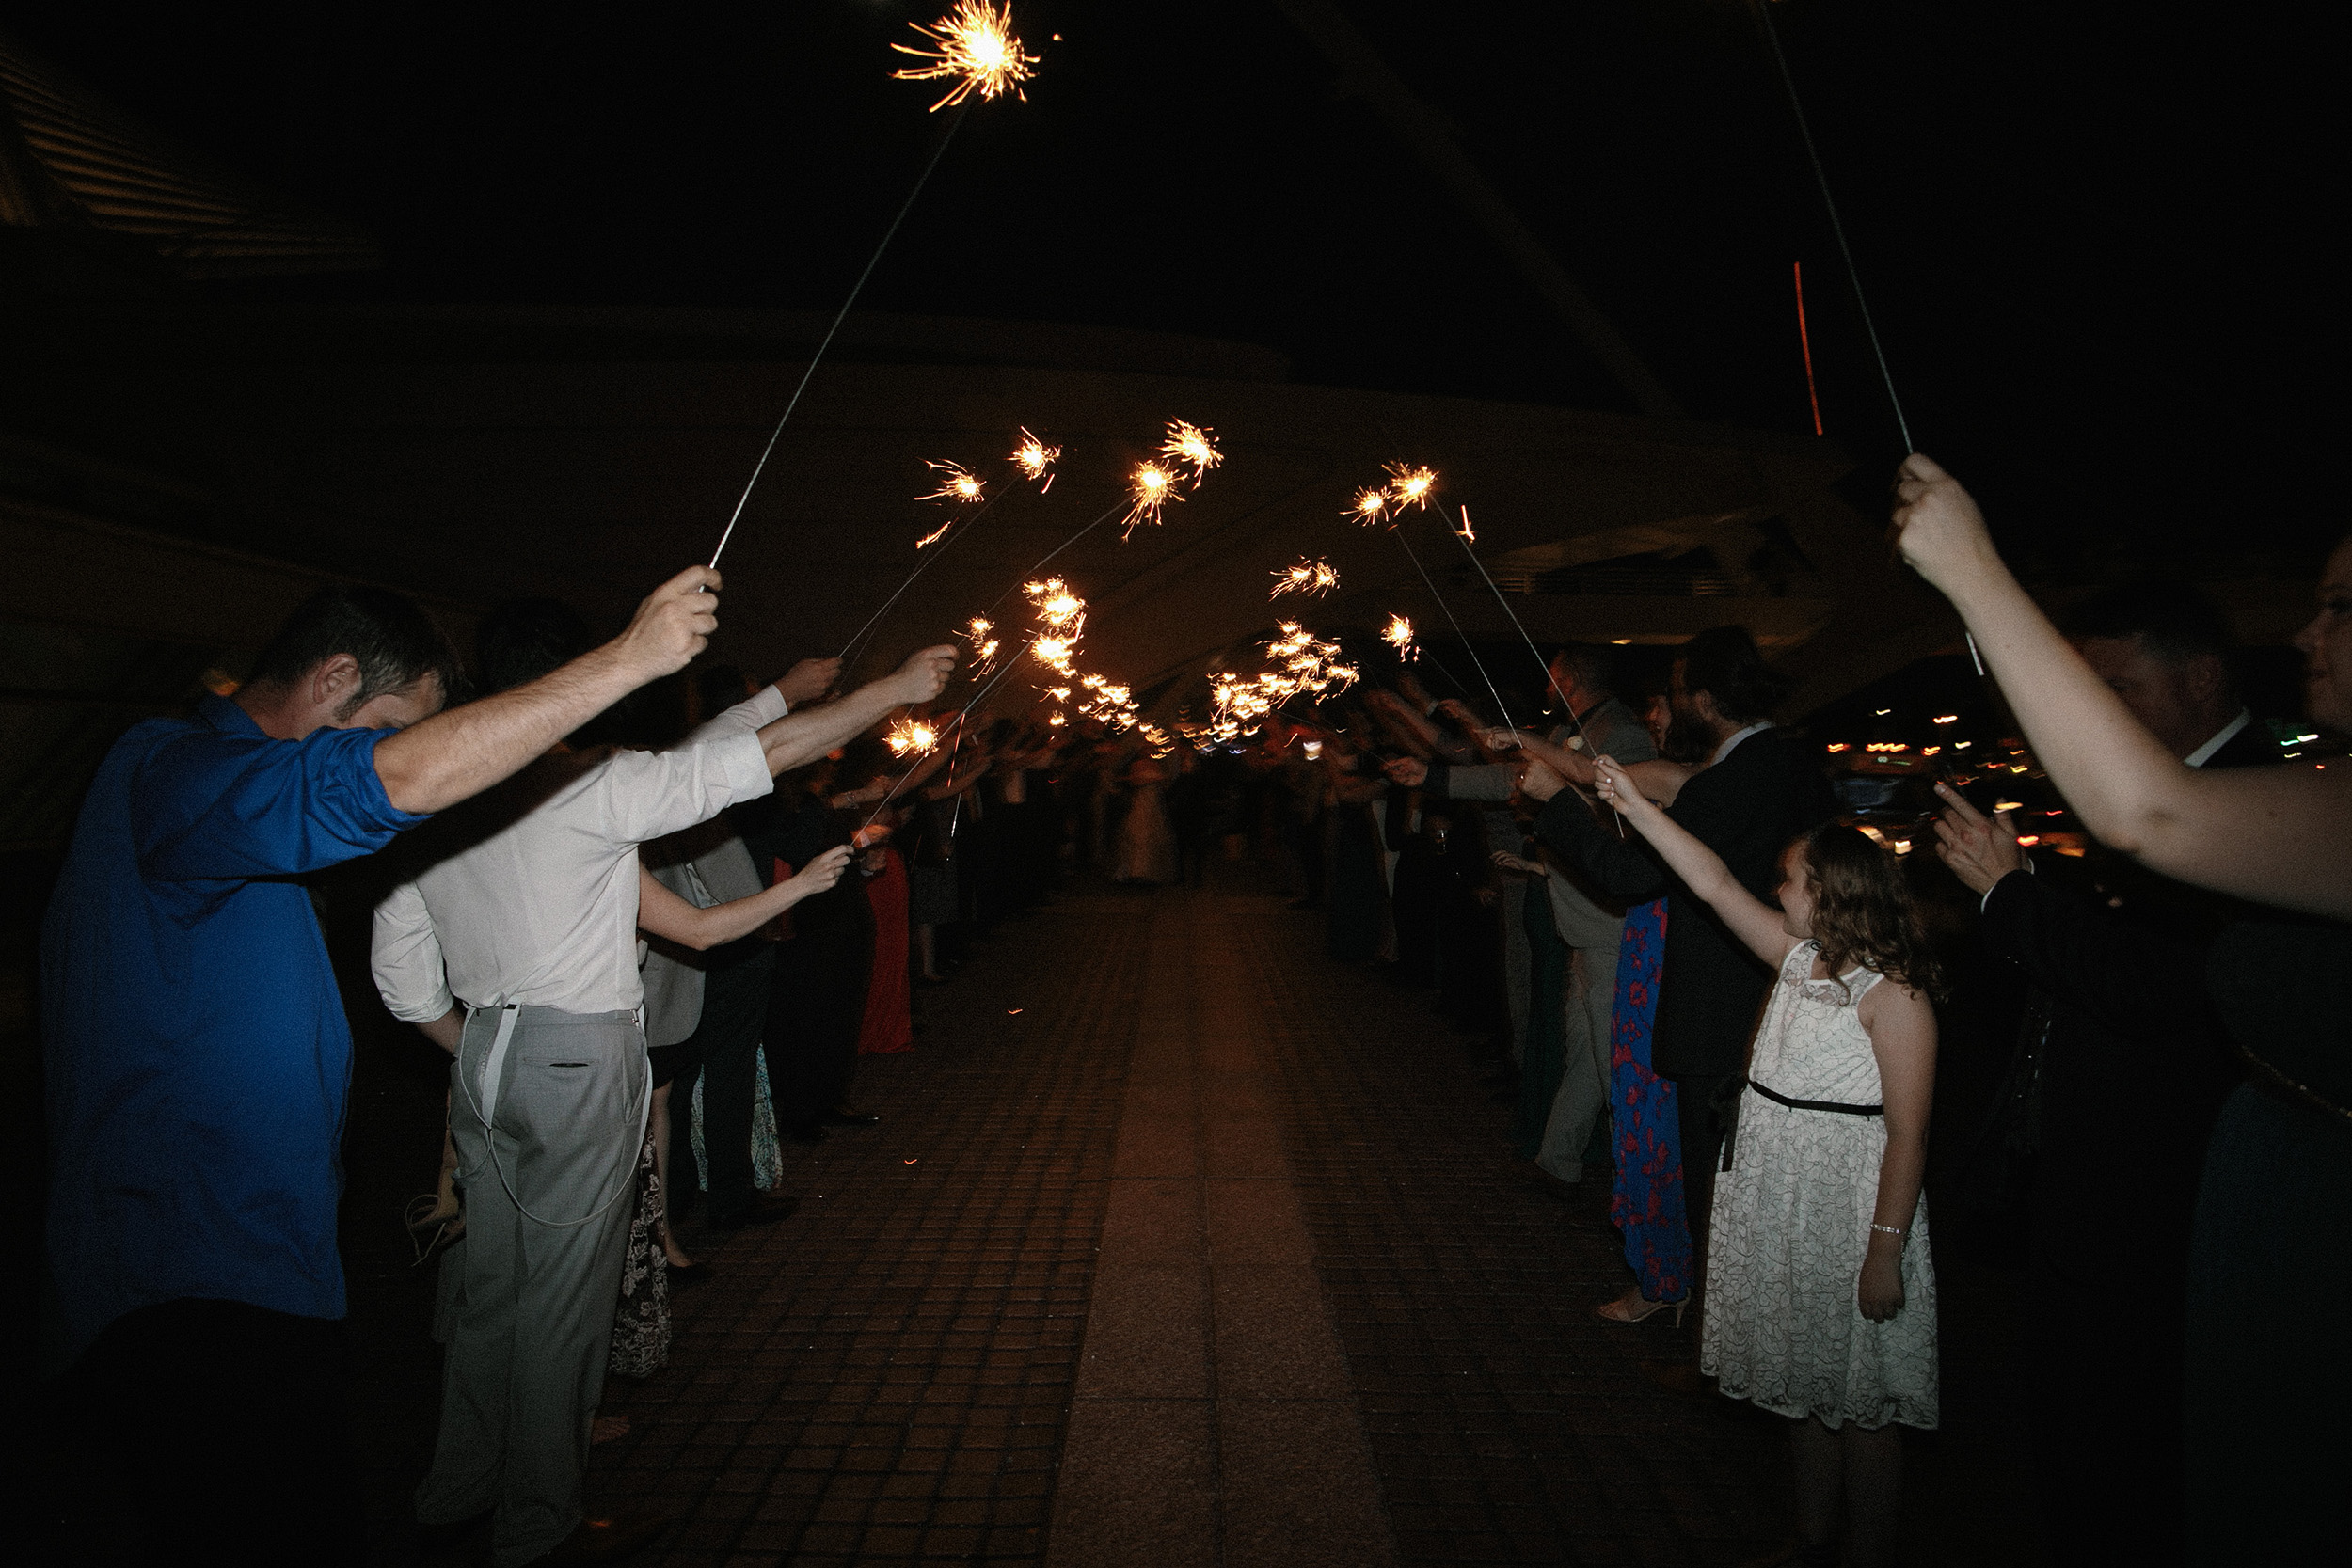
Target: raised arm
{"x": 804, "y": 736}
{"x": 1702, "y": 870}
{"x": 2278, "y": 835}
{"x": 436, "y": 763}
{"x": 665, "y": 914}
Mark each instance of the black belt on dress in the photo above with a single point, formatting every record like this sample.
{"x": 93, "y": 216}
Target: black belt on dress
{"x": 1817, "y": 1104}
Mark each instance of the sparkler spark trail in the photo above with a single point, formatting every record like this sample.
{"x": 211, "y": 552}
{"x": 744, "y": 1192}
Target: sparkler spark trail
{"x": 1311, "y": 578}
{"x": 1399, "y": 635}
{"x": 956, "y": 484}
{"x": 1150, "y": 487}
{"x": 976, "y": 48}
{"x": 1033, "y": 457}
{"x": 910, "y": 735}
{"x": 1370, "y": 507}
{"x": 1410, "y": 485}
{"x": 1192, "y": 446}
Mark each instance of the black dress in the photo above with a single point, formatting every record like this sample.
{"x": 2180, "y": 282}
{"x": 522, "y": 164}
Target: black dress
{"x": 2270, "y": 1392}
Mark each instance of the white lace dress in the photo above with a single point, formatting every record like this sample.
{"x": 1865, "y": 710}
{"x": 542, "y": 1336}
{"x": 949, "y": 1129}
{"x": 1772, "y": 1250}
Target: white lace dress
{"x": 1783, "y": 1326}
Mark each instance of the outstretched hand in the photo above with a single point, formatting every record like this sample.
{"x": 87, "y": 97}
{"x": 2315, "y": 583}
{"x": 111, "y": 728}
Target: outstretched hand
{"x": 1411, "y": 772}
{"x": 808, "y": 680}
{"x": 924, "y": 675}
{"x": 820, "y": 874}
{"x": 673, "y": 625}
{"x": 1539, "y": 782}
{"x": 1614, "y": 785}
{"x": 1938, "y": 527}
{"x": 1979, "y": 851}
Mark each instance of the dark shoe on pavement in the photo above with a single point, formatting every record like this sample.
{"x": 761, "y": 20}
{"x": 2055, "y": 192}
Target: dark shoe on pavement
{"x": 843, "y": 1117}
{"x": 605, "y": 1540}
{"x": 763, "y": 1210}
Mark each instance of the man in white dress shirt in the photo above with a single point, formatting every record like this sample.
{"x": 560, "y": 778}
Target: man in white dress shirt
{"x": 527, "y": 918}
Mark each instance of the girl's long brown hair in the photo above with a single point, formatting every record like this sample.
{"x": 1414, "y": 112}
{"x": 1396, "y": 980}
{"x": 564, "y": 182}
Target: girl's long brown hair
{"x": 1863, "y": 911}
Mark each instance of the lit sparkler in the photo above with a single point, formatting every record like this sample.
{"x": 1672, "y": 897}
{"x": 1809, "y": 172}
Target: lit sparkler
{"x": 975, "y": 49}
{"x": 956, "y": 484}
{"x": 981, "y": 633}
{"x": 910, "y": 735}
{"x": 1410, "y": 485}
{"x": 1464, "y": 533}
{"x": 1399, "y": 635}
{"x": 1370, "y": 507}
{"x": 1034, "y": 458}
{"x": 1192, "y": 446}
{"x": 1315, "y": 578}
{"x": 1150, "y": 487}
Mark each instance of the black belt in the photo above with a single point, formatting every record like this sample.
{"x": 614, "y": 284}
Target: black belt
{"x": 1817, "y": 1104}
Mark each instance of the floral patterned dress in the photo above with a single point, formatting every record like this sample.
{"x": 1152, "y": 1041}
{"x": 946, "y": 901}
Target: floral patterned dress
{"x": 1783, "y": 1325}
{"x": 1646, "y": 1140}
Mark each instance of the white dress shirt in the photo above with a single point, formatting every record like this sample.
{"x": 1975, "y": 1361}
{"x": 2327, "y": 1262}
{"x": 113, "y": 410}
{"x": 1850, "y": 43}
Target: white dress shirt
{"x": 538, "y": 906}
{"x": 1731, "y": 741}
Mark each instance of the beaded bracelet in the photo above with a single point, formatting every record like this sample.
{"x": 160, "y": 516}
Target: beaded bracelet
{"x": 1889, "y": 1229}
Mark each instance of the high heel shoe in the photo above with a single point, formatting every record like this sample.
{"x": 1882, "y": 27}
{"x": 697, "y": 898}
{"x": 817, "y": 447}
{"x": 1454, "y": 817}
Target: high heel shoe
{"x": 435, "y": 1222}
{"x": 1632, "y": 1307}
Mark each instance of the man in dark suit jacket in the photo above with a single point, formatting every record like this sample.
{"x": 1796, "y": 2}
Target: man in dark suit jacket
{"x": 2135, "y": 1064}
{"x": 1760, "y": 789}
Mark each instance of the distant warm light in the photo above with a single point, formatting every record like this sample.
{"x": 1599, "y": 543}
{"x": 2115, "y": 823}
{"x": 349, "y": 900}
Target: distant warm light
{"x": 2026, "y": 841}
{"x": 1947, "y": 718}
{"x": 1620, "y": 641}
{"x": 1890, "y": 746}
{"x": 1929, "y": 751}
{"x": 1841, "y": 745}
{"x": 1961, "y": 745}
{"x": 1884, "y": 712}
{"x": 2008, "y": 805}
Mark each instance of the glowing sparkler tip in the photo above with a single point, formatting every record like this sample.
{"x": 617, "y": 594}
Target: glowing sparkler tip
{"x": 956, "y": 484}
{"x": 1399, "y": 635}
{"x": 1193, "y": 447}
{"x": 1410, "y": 484}
{"x": 1150, "y": 488}
{"x": 910, "y": 735}
{"x": 1370, "y": 506}
{"x": 1033, "y": 457}
{"x": 974, "y": 47}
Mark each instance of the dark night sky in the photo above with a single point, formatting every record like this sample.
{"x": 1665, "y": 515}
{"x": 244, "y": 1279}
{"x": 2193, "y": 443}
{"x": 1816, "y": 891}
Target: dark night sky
{"x": 2095, "y": 242}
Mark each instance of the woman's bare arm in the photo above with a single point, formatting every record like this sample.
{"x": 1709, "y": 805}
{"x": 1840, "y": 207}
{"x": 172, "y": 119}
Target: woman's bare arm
{"x": 664, "y": 914}
{"x": 2277, "y": 836}
{"x": 1702, "y": 870}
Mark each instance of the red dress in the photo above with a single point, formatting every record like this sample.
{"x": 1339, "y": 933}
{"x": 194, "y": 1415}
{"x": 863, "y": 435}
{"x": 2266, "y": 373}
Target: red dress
{"x": 889, "y": 1010}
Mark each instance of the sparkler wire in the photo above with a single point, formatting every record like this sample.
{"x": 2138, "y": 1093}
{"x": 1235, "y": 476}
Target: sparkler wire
{"x": 843, "y": 314}
{"x": 961, "y": 527}
{"x": 1410, "y": 554}
{"x": 1829, "y": 203}
{"x": 1532, "y": 651}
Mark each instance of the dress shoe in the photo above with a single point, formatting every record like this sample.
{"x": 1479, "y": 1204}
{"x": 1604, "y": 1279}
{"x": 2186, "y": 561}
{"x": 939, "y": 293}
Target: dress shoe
{"x": 844, "y": 1117}
{"x": 763, "y": 1210}
{"x": 605, "y": 1540}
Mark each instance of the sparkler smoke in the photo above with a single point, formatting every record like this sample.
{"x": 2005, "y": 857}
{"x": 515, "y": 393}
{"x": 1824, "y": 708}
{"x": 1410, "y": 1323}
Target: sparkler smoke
{"x": 1309, "y": 577}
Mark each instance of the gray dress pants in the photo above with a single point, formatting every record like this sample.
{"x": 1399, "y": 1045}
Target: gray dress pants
{"x": 547, "y": 1186}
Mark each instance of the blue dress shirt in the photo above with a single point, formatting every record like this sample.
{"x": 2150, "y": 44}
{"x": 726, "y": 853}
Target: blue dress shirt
{"x": 198, "y": 1056}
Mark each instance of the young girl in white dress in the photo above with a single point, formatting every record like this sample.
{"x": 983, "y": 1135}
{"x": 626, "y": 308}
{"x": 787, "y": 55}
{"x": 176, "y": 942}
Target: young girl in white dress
{"x": 1821, "y": 1297}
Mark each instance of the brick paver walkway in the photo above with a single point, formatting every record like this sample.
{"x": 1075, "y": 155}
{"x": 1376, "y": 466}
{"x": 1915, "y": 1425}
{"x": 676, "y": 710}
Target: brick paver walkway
{"x": 1305, "y": 1217}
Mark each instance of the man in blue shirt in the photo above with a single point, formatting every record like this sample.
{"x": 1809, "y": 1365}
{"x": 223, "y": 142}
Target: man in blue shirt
{"x": 198, "y": 1057}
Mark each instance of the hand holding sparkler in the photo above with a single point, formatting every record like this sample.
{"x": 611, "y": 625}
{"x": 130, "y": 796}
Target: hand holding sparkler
{"x": 673, "y": 625}
{"x": 808, "y": 680}
{"x": 924, "y": 675}
{"x": 1539, "y": 782}
{"x": 1618, "y": 786}
{"x": 1410, "y": 773}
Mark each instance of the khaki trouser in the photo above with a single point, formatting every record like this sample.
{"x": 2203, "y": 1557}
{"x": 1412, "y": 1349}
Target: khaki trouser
{"x": 531, "y": 1289}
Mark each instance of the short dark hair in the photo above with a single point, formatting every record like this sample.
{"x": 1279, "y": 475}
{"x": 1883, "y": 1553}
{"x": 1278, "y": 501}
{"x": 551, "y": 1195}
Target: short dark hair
{"x": 2171, "y": 620}
{"x": 1725, "y": 663}
{"x": 1594, "y": 665}
{"x": 391, "y": 639}
{"x": 522, "y": 639}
